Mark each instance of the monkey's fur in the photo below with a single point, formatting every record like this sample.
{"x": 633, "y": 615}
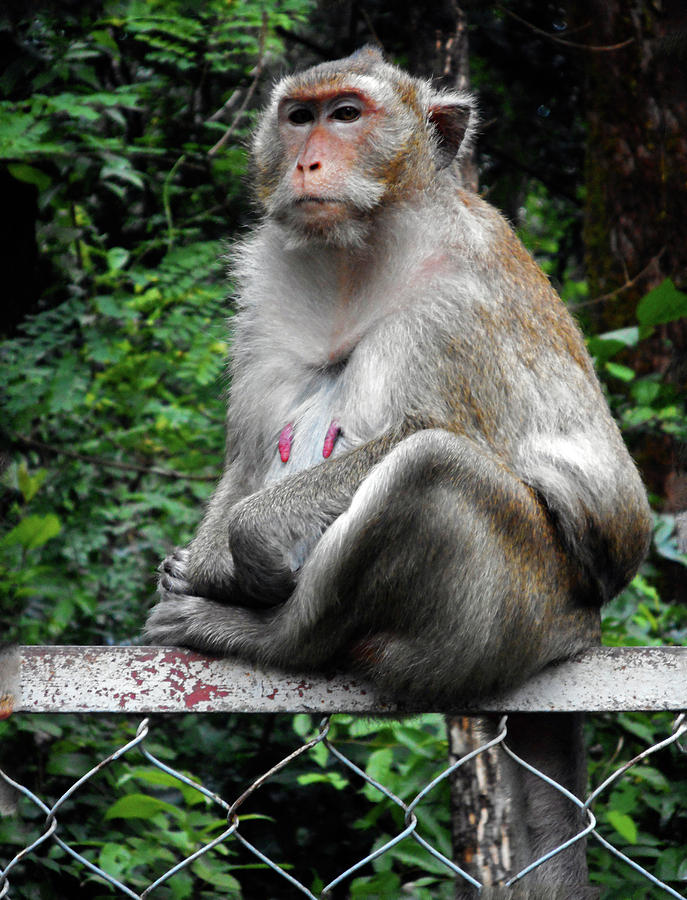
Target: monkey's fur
{"x": 479, "y": 505}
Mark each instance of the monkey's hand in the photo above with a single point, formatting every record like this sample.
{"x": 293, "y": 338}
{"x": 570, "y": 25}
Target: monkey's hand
{"x": 173, "y": 581}
{"x": 186, "y": 573}
{"x": 273, "y": 532}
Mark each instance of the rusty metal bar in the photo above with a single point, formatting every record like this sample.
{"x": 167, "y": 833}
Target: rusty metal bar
{"x": 156, "y": 679}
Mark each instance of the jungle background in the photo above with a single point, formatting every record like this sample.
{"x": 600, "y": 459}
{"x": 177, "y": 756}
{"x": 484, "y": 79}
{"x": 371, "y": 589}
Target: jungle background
{"x": 123, "y": 179}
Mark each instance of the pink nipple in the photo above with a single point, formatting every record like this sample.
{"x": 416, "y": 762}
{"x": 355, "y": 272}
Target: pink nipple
{"x": 285, "y": 441}
{"x": 332, "y": 434}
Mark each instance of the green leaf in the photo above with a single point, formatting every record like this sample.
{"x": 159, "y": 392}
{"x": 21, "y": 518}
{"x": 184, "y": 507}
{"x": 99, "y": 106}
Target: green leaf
{"x": 214, "y": 875}
{"x": 61, "y": 614}
{"x": 115, "y": 860}
{"x": 379, "y": 764}
{"x": 117, "y": 258}
{"x": 124, "y": 171}
{"x": 151, "y": 776}
{"x": 383, "y": 884}
{"x": 618, "y": 371}
{"x": 669, "y": 864}
{"x": 29, "y": 484}
{"x": 22, "y": 135}
{"x": 663, "y": 304}
{"x": 637, "y": 416}
{"x": 645, "y": 391}
{"x": 30, "y": 175}
{"x": 623, "y": 824}
{"x": 140, "y": 806}
{"x": 335, "y": 779}
{"x": 302, "y": 725}
{"x": 33, "y": 531}
{"x": 109, "y": 305}
{"x": 604, "y": 346}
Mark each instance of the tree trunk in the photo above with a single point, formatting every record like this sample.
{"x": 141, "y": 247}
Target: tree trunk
{"x": 636, "y": 199}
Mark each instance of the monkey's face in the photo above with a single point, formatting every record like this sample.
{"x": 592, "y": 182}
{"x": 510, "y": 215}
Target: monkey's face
{"x": 328, "y": 183}
{"x": 329, "y": 154}
{"x": 325, "y": 137}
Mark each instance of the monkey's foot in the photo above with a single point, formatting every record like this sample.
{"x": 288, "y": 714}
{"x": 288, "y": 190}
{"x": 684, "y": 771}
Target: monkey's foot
{"x": 179, "y": 622}
{"x": 202, "y": 625}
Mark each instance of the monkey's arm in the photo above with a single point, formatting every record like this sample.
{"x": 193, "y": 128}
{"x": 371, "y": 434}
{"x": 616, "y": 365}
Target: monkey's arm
{"x": 249, "y": 549}
{"x": 205, "y": 568}
{"x": 273, "y": 531}
{"x": 443, "y": 562}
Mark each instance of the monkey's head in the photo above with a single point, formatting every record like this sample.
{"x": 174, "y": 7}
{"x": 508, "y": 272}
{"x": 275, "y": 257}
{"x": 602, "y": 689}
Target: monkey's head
{"x": 344, "y": 139}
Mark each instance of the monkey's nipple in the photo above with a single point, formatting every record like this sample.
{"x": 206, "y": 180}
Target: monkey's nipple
{"x": 285, "y": 441}
{"x": 332, "y": 434}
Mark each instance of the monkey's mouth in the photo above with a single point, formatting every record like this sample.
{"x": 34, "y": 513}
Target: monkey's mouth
{"x": 318, "y": 200}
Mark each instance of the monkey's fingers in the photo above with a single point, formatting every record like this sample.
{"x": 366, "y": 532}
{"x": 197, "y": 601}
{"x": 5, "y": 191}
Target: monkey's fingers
{"x": 173, "y": 580}
{"x": 176, "y": 563}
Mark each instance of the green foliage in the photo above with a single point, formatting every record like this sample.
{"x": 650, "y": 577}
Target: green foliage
{"x": 112, "y": 395}
{"x": 113, "y": 422}
{"x": 404, "y": 757}
{"x": 647, "y": 404}
{"x": 91, "y": 392}
{"x": 642, "y": 814}
{"x": 662, "y": 304}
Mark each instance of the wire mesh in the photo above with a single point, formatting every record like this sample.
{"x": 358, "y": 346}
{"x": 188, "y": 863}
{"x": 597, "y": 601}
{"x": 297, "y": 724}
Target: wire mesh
{"x": 410, "y": 831}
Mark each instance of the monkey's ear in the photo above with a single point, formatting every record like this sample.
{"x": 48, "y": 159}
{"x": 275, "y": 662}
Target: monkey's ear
{"x": 453, "y": 119}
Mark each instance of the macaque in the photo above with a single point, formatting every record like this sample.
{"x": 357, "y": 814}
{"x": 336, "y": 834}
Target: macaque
{"x": 423, "y": 480}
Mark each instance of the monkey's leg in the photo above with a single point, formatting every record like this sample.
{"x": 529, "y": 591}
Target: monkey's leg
{"x": 443, "y": 575}
{"x": 249, "y": 549}
{"x": 261, "y": 529}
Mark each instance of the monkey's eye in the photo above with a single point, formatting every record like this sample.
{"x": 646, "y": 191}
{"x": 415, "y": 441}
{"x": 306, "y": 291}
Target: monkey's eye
{"x": 346, "y": 113}
{"x": 300, "y": 115}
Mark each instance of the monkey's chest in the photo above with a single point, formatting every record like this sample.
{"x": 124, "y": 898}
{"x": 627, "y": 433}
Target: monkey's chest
{"x": 310, "y": 423}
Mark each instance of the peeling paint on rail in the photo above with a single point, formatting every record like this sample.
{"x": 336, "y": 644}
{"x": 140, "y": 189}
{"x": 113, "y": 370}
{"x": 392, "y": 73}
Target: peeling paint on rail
{"x": 156, "y": 679}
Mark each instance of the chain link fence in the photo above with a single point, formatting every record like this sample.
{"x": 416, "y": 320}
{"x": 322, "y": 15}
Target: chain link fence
{"x": 233, "y": 810}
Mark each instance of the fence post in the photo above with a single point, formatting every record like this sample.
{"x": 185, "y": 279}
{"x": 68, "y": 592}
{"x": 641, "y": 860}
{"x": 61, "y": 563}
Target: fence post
{"x": 504, "y": 817}
{"x": 480, "y": 806}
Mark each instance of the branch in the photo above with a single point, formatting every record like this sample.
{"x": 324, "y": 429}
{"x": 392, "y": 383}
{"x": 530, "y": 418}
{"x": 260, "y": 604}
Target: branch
{"x": 631, "y": 282}
{"x": 31, "y": 443}
{"x": 166, "y": 203}
{"x": 558, "y": 40}
{"x": 257, "y": 72}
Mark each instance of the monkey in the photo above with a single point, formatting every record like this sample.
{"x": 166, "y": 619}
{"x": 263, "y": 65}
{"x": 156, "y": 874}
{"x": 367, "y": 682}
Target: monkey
{"x": 423, "y": 479}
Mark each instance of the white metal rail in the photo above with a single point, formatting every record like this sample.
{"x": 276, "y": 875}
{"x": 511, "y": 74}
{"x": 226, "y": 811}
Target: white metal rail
{"x": 156, "y": 679}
